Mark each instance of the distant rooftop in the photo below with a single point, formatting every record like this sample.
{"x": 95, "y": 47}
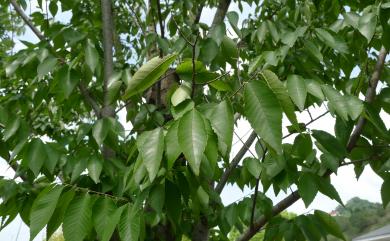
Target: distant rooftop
{"x": 381, "y": 234}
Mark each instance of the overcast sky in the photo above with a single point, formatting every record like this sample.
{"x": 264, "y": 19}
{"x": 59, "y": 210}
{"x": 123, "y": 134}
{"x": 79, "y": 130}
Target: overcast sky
{"x": 367, "y": 187}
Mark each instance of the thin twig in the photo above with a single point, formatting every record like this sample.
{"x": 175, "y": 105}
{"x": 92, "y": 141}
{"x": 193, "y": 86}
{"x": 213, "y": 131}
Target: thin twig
{"x": 215, "y": 79}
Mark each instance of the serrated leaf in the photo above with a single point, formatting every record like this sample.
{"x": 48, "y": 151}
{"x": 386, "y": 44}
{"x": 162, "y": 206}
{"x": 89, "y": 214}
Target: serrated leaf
{"x": 78, "y": 218}
{"x": 330, "y": 143}
{"x": 297, "y": 89}
{"x": 181, "y": 94}
{"x": 100, "y": 130}
{"x": 59, "y": 212}
{"x": 46, "y": 66}
{"x": 332, "y": 40}
{"x": 222, "y": 122}
{"x": 106, "y": 216}
{"x": 95, "y": 166}
{"x": 281, "y": 93}
{"x": 253, "y": 166}
{"x": 148, "y": 74}
{"x": 172, "y": 147}
{"x": 329, "y": 223}
{"x": 264, "y": 113}
{"x": 91, "y": 56}
{"x": 385, "y": 192}
{"x": 192, "y": 138}
{"x": 314, "y": 88}
{"x": 35, "y": 155}
{"x": 151, "y": 146}
{"x": 11, "y": 128}
{"x": 129, "y": 224}
{"x": 209, "y": 50}
{"x": 367, "y": 25}
{"x": 43, "y": 208}
{"x": 273, "y": 31}
{"x": 307, "y": 188}
{"x": 337, "y": 101}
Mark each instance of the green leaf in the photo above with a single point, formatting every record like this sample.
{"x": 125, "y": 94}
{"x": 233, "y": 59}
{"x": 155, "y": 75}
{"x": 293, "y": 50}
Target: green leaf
{"x": 53, "y": 7}
{"x": 192, "y": 138}
{"x": 100, "y": 130}
{"x": 233, "y": 20}
{"x": 208, "y": 51}
{"x": 261, "y": 32}
{"x": 218, "y": 32}
{"x": 130, "y": 224}
{"x": 331, "y": 162}
{"x": 253, "y": 166}
{"x": 229, "y": 50}
{"x": 172, "y": 147}
{"x": 291, "y": 37}
{"x": 314, "y": 50}
{"x": 307, "y": 188}
{"x": 46, "y": 66}
{"x": 332, "y": 40}
{"x": 181, "y": 94}
{"x": 35, "y": 155}
{"x": 337, "y": 101}
{"x": 106, "y": 216}
{"x": 58, "y": 215}
{"x": 308, "y": 228}
{"x": 330, "y": 143}
{"x": 326, "y": 188}
{"x": 385, "y": 192}
{"x": 91, "y": 56}
{"x": 330, "y": 224}
{"x": 43, "y": 208}
{"x": 52, "y": 157}
{"x": 281, "y": 93}
{"x": 66, "y": 80}
{"x": 95, "y": 166}
{"x": 314, "y": 88}
{"x": 297, "y": 89}
{"x": 355, "y": 106}
{"x": 78, "y": 218}
{"x": 222, "y": 122}
{"x": 151, "y": 146}
{"x": 273, "y": 31}
{"x": 203, "y": 196}
{"x": 11, "y": 128}
{"x": 264, "y": 113}
{"x": 157, "y": 197}
{"x": 367, "y": 25}
{"x": 302, "y": 146}
{"x": 148, "y": 74}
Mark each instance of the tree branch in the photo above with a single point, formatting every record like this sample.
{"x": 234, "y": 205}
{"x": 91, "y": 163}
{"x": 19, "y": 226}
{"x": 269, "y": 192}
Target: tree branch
{"x": 370, "y": 95}
{"x": 26, "y": 19}
{"x": 243, "y": 151}
{"x": 88, "y": 98}
{"x": 108, "y": 45}
{"x": 240, "y": 154}
{"x": 293, "y": 197}
{"x": 220, "y": 14}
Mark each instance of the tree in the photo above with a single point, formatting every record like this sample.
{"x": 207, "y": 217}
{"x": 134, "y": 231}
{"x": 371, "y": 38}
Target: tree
{"x": 360, "y": 216}
{"x": 182, "y": 85}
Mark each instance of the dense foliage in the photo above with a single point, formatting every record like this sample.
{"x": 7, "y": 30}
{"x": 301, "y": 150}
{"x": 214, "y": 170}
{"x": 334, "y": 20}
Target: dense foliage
{"x": 181, "y": 85}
